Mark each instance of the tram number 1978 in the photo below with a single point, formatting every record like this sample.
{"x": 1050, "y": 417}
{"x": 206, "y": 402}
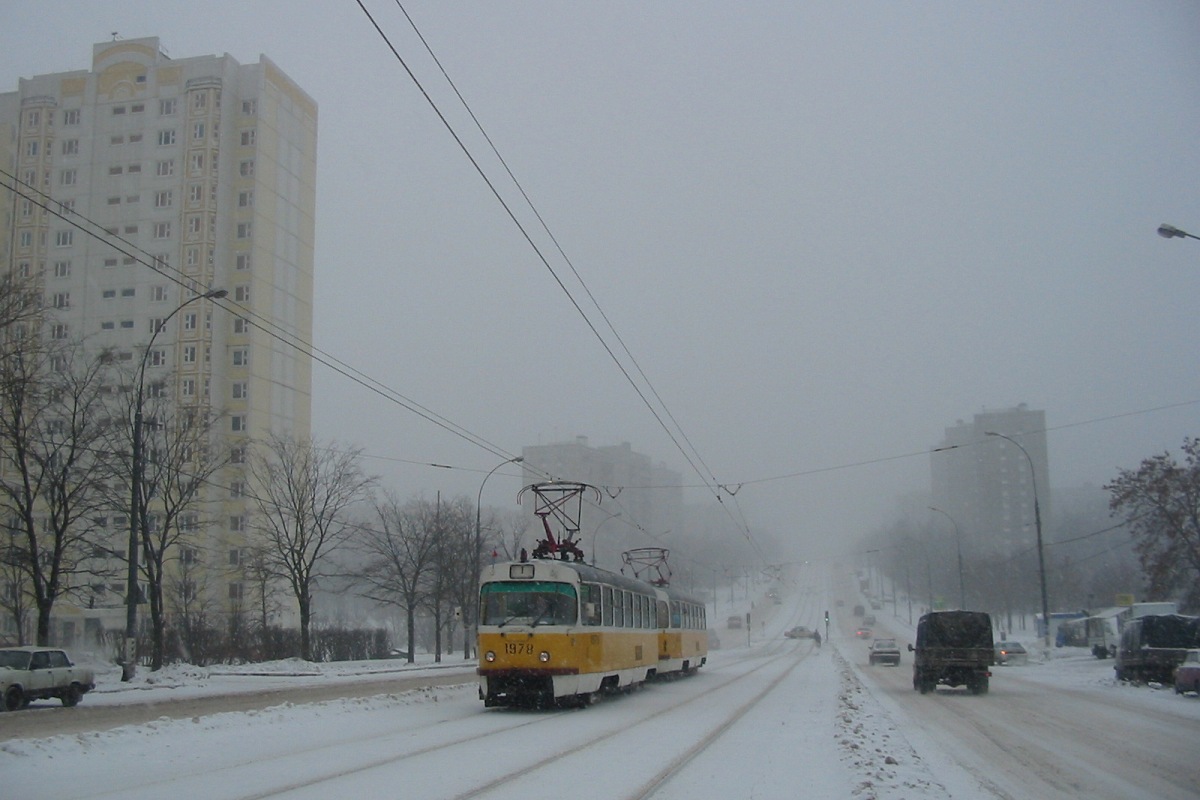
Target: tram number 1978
{"x": 518, "y": 648}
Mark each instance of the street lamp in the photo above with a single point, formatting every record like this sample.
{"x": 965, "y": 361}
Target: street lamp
{"x": 962, "y": 594}
{"x": 1037, "y": 519}
{"x": 1171, "y": 232}
{"x": 478, "y": 533}
{"x": 596, "y": 532}
{"x": 136, "y": 500}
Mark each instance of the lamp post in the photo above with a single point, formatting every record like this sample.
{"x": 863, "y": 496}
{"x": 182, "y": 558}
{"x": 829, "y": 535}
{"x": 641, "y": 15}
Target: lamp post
{"x": 962, "y": 594}
{"x": 478, "y": 529}
{"x": 136, "y": 500}
{"x": 596, "y": 532}
{"x": 1037, "y": 519}
{"x": 1171, "y": 232}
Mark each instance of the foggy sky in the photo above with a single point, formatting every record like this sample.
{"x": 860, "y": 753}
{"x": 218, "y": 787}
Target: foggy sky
{"x": 825, "y": 231}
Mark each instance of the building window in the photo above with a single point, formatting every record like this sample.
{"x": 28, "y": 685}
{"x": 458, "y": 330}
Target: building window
{"x": 60, "y": 331}
{"x": 127, "y": 324}
{"x": 246, "y": 168}
{"x": 241, "y": 357}
{"x": 197, "y": 163}
{"x": 187, "y": 387}
{"x": 189, "y": 321}
{"x": 189, "y": 354}
{"x": 249, "y": 107}
{"x": 244, "y": 229}
{"x": 138, "y": 108}
{"x": 166, "y": 107}
{"x": 156, "y": 324}
{"x": 199, "y": 100}
{"x": 242, "y": 261}
{"x": 134, "y": 138}
{"x": 198, "y": 131}
{"x": 68, "y": 177}
{"x": 165, "y": 168}
{"x": 109, "y": 294}
{"x": 64, "y": 238}
{"x": 70, "y": 147}
{"x": 235, "y": 592}
{"x": 249, "y": 137}
{"x": 162, "y": 230}
{"x": 195, "y": 224}
{"x": 133, "y": 168}
{"x": 31, "y": 148}
{"x": 25, "y": 240}
{"x": 241, "y": 325}
{"x": 191, "y": 257}
{"x": 166, "y": 137}
{"x": 107, "y": 326}
{"x": 128, "y": 292}
{"x": 62, "y": 269}
{"x": 246, "y": 199}
{"x": 241, "y": 294}
{"x": 158, "y": 356}
{"x": 115, "y": 170}
{"x": 159, "y": 294}
{"x": 116, "y": 140}
{"x": 237, "y": 423}
{"x": 240, "y": 390}
{"x": 62, "y": 300}
{"x": 71, "y": 116}
{"x": 163, "y": 199}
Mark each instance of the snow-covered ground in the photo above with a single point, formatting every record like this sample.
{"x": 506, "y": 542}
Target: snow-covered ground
{"x": 775, "y": 718}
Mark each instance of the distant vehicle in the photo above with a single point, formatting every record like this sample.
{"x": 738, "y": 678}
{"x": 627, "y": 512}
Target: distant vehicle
{"x": 714, "y": 642}
{"x": 884, "y": 651}
{"x": 863, "y": 633}
{"x": 1152, "y": 646}
{"x": 859, "y": 611}
{"x": 869, "y": 620}
{"x": 1187, "y": 674}
{"x": 734, "y": 622}
{"x": 41, "y": 673}
{"x": 799, "y": 632}
{"x": 875, "y": 604}
{"x": 1013, "y": 653}
{"x": 1102, "y": 636}
{"x": 954, "y": 648}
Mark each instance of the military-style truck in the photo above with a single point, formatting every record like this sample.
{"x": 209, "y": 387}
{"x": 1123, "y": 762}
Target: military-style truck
{"x": 954, "y": 648}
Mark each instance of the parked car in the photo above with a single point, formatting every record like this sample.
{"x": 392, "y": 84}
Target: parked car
{"x": 734, "y": 622}
{"x": 1012, "y": 653}
{"x": 884, "y": 651}
{"x": 869, "y": 620}
{"x": 40, "y": 673}
{"x": 863, "y": 633}
{"x": 798, "y": 632}
{"x": 1187, "y": 674}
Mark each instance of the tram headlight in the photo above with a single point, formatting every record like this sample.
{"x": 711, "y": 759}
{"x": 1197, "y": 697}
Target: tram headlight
{"x": 489, "y": 656}
{"x": 543, "y": 656}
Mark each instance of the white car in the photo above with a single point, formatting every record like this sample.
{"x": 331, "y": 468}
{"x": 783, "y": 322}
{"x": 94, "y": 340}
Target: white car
{"x": 40, "y": 673}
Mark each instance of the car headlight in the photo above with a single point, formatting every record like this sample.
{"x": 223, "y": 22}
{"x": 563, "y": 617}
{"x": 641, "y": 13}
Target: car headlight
{"x": 489, "y": 656}
{"x": 543, "y": 656}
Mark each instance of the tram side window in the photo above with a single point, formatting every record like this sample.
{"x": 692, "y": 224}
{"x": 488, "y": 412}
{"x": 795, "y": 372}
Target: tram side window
{"x": 676, "y": 616}
{"x": 592, "y": 604}
{"x": 608, "y": 605}
{"x": 663, "y": 616}
{"x": 618, "y": 608}
{"x": 643, "y": 620}
{"x": 628, "y": 610}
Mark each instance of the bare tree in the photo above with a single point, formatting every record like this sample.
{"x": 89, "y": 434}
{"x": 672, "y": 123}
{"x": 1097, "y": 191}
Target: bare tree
{"x": 181, "y": 452}
{"x": 303, "y": 498}
{"x": 53, "y": 421}
{"x": 401, "y": 552}
{"x": 1160, "y": 503}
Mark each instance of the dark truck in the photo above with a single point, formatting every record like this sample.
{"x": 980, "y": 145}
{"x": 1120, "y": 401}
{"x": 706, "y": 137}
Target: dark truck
{"x": 1152, "y": 646}
{"x": 954, "y": 648}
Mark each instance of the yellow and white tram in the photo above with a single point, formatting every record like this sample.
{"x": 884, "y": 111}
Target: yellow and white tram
{"x": 556, "y": 632}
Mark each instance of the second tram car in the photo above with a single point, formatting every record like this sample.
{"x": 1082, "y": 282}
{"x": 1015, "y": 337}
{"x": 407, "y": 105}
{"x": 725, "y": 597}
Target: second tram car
{"x": 556, "y": 632}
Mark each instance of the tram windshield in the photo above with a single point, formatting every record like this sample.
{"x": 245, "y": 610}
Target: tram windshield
{"x": 529, "y": 603}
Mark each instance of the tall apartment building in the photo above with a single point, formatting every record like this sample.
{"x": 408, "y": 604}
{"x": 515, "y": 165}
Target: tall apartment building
{"x": 985, "y": 483}
{"x": 648, "y": 498}
{"x": 200, "y": 175}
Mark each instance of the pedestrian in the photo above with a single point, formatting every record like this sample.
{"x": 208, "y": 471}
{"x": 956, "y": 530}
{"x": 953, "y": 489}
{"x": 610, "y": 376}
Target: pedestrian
{"x": 817, "y": 638}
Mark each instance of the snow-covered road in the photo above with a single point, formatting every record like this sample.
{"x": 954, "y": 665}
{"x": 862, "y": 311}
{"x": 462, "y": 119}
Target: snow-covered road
{"x": 779, "y": 718}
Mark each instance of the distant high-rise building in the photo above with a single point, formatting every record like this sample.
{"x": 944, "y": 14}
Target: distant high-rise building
{"x": 184, "y": 176}
{"x": 985, "y": 482}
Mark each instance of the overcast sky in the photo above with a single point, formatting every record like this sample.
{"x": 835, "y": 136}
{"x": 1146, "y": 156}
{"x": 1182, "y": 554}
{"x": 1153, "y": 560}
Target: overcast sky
{"x": 826, "y": 231}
